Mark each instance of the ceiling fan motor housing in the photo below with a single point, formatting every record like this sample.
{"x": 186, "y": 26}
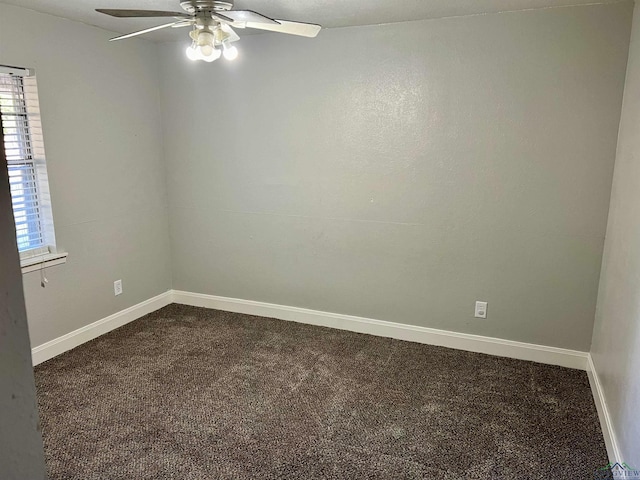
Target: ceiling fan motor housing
{"x": 195, "y": 6}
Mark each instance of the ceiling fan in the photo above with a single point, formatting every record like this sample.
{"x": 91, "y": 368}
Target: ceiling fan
{"x": 212, "y": 22}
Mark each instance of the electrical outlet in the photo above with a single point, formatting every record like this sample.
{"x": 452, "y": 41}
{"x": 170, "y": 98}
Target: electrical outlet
{"x": 117, "y": 287}
{"x": 481, "y": 310}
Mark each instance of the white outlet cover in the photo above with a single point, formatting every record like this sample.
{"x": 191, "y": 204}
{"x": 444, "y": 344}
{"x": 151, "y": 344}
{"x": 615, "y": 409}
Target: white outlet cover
{"x": 117, "y": 287}
{"x": 481, "y": 309}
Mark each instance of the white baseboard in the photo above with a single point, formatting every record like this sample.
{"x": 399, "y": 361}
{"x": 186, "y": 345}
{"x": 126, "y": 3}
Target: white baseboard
{"x": 430, "y": 336}
{"x": 412, "y": 333}
{"x": 603, "y": 413}
{"x": 48, "y": 350}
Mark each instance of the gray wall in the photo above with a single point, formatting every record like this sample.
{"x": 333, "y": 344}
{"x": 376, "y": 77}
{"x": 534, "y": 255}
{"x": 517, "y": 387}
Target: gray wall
{"x": 100, "y": 113}
{"x": 398, "y": 172}
{"x": 21, "y": 454}
{"x": 616, "y": 336}
{"x": 401, "y": 172}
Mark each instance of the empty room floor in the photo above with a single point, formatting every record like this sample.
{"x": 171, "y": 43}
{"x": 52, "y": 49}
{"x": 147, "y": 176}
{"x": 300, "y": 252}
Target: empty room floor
{"x": 192, "y": 393}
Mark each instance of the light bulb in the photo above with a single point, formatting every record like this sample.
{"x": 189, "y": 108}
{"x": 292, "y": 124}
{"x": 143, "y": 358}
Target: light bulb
{"x": 230, "y": 53}
{"x": 206, "y": 50}
{"x": 192, "y": 53}
{"x": 215, "y": 54}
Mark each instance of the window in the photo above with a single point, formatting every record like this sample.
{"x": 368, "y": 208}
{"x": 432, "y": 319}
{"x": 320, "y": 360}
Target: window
{"x": 23, "y": 142}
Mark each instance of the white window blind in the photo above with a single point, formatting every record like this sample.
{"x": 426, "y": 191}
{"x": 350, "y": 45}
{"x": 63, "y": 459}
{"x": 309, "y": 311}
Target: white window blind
{"x": 22, "y": 135}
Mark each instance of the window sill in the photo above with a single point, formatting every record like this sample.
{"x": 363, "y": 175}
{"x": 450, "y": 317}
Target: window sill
{"x": 34, "y": 264}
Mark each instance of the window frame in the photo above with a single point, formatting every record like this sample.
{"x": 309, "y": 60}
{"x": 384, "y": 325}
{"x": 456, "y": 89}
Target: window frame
{"x": 45, "y": 254}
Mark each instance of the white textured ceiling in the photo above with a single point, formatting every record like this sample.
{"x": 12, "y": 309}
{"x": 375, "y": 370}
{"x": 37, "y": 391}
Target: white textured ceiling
{"x": 328, "y": 13}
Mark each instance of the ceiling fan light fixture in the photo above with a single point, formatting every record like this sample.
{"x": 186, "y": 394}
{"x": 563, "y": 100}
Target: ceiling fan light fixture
{"x": 203, "y": 45}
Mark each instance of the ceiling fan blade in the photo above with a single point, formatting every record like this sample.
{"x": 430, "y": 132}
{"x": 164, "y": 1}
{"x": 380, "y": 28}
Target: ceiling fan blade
{"x": 249, "y": 16}
{"x": 183, "y": 23}
{"x": 141, "y": 13}
{"x": 146, "y": 30}
{"x": 292, "y": 28}
{"x": 219, "y": 16}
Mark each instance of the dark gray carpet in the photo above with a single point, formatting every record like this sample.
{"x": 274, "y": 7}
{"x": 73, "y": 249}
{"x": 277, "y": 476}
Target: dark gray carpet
{"x": 190, "y": 393}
